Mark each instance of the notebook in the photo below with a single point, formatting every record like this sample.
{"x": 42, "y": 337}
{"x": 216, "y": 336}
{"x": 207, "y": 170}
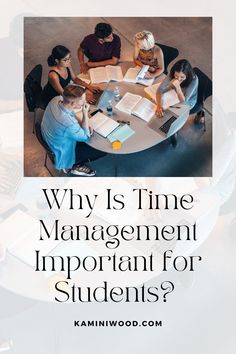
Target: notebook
{"x": 122, "y": 134}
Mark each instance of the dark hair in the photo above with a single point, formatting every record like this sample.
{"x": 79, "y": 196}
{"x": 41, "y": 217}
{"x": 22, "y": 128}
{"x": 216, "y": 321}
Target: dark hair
{"x": 185, "y": 67}
{"x": 71, "y": 92}
{"x": 59, "y": 52}
{"x": 103, "y": 30}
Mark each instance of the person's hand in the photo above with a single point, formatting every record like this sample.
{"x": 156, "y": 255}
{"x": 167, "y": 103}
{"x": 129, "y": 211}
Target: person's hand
{"x": 152, "y": 69}
{"x": 175, "y": 84}
{"x": 160, "y": 112}
{"x": 90, "y": 98}
{"x": 83, "y": 68}
{"x": 148, "y": 75}
{"x": 91, "y": 131}
{"x": 94, "y": 89}
{"x": 85, "y": 108}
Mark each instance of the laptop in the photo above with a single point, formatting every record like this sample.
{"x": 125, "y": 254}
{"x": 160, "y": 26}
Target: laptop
{"x": 172, "y": 124}
{"x": 103, "y": 99}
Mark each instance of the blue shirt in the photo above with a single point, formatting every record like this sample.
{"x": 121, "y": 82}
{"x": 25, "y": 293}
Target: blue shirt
{"x": 190, "y": 92}
{"x": 61, "y": 131}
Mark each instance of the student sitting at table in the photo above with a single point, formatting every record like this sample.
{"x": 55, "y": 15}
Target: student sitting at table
{"x": 66, "y": 132}
{"x": 61, "y": 74}
{"x": 101, "y": 48}
{"x": 146, "y": 52}
{"x": 184, "y": 85}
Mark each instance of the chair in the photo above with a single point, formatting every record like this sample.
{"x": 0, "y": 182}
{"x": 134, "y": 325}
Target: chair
{"x": 33, "y": 90}
{"x": 47, "y": 149}
{"x": 170, "y": 53}
{"x": 204, "y": 91}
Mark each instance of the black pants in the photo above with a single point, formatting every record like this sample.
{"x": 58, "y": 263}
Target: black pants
{"x": 85, "y": 152}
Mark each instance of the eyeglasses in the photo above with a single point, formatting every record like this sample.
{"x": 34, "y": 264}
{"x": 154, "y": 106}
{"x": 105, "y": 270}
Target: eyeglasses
{"x": 67, "y": 59}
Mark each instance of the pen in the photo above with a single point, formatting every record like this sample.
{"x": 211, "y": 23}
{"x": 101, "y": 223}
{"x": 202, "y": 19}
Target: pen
{"x": 123, "y": 122}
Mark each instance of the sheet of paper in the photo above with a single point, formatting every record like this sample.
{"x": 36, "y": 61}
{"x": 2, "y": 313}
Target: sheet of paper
{"x": 169, "y": 98}
{"x": 145, "y": 109}
{"x": 97, "y": 120}
{"x": 145, "y": 82}
{"x": 98, "y": 75}
{"x": 152, "y": 91}
{"x": 114, "y": 73}
{"x": 131, "y": 75}
{"x": 128, "y": 102}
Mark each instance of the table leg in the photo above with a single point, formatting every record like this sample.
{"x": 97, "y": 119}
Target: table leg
{"x": 173, "y": 140}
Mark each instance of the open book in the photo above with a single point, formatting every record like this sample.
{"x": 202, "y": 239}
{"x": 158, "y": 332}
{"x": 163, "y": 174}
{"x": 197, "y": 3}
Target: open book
{"x": 102, "y": 124}
{"x": 137, "y": 105}
{"x": 168, "y": 98}
{"x": 137, "y": 74}
{"x": 106, "y": 74}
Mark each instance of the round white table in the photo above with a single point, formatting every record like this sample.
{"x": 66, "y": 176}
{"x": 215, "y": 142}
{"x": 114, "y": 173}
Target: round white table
{"x": 145, "y": 137}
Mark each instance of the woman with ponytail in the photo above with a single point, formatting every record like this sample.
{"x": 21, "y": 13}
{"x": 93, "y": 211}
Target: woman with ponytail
{"x": 61, "y": 74}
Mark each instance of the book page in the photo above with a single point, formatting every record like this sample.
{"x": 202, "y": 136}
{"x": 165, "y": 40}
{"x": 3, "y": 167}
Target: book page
{"x": 128, "y": 102}
{"x": 145, "y": 82}
{"x": 152, "y": 91}
{"x": 131, "y": 75}
{"x": 114, "y": 73}
{"x": 97, "y": 120}
{"x": 84, "y": 78}
{"x": 98, "y": 75}
{"x": 107, "y": 127}
{"x": 169, "y": 98}
{"x": 145, "y": 109}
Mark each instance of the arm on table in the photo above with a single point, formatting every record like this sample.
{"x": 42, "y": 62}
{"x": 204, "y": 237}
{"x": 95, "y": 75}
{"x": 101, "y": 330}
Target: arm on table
{"x": 80, "y": 82}
{"x": 83, "y": 65}
{"x": 95, "y": 64}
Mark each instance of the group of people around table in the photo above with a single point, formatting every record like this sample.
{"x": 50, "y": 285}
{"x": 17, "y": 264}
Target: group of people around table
{"x": 65, "y": 124}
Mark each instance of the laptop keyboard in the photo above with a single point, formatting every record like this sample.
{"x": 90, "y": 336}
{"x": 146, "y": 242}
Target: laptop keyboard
{"x": 166, "y": 126}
